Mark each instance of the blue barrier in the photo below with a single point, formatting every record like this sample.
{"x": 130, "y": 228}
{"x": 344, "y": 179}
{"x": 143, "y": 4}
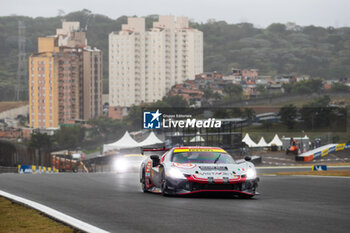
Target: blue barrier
{"x": 319, "y": 167}
{"x": 25, "y": 169}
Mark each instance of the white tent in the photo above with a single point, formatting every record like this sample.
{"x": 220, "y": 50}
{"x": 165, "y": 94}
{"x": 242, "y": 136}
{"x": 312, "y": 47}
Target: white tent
{"x": 262, "y": 143}
{"x": 276, "y": 141}
{"x": 152, "y": 139}
{"x": 197, "y": 138}
{"x": 247, "y": 140}
{"x": 125, "y": 142}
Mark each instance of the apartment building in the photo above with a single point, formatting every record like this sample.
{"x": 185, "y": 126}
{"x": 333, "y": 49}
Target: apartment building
{"x": 144, "y": 65}
{"x": 65, "y": 79}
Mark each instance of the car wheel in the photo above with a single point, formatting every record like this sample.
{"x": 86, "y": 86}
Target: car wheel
{"x": 244, "y": 196}
{"x": 163, "y": 185}
{"x": 143, "y": 181}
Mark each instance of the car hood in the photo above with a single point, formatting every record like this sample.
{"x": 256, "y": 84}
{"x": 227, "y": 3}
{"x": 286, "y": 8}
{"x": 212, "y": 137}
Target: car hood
{"x": 216, "y": 171}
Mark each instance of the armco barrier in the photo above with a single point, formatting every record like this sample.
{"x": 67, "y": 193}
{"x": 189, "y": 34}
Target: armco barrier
{"x": 321, "y": 151}
{"x": 8, "y": 169}
{"x": 32, "y": 169}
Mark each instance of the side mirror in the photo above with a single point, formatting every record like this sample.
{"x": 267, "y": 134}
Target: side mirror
{"x": 155, "y": 159}
{"x": 247, "y": 158}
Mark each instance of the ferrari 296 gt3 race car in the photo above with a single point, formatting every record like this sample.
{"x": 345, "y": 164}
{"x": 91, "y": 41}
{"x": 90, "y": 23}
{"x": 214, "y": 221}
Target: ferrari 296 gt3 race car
{"x": 187, "y": 170}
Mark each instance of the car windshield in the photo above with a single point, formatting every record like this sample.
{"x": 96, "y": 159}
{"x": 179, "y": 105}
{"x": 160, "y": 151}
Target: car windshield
{"x": 202, "y": 157}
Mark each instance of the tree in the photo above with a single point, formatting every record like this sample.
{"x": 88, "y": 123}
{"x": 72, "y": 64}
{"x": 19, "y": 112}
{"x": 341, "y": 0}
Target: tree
{"x": 70, "y": 137}
{"x": 134, "y": 118}
{"x": 339, "y": 87}
{"x": 107, "y": 127}
{"x": 276, "y": 28}
{"x": 288, "y": 115}
{"x": 41, "y": 141}
{"x": 176, "y": 101}
{"x": 217, "y": 96}
{"x": 236, "y": 112}
{"x": 208, "y": 93}
{"x": 314, "y": 85}
{"x": 233, "y": 92}
{"x": 315, "y": 51}
{"x": 317, "y": 114}
{"x": 249, "y": 113}
{"x": 262, "y": 89}
{"x": 221, "y": 113}
{"x": 287, "y": 87}
{"x": 320, "y": 102}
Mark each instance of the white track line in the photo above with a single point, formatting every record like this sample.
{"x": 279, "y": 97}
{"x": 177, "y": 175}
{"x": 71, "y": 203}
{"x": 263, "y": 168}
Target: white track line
{"x": 54, "y": 213}
{"x": 346, "y": 177}
{"x": 289, "y": 167}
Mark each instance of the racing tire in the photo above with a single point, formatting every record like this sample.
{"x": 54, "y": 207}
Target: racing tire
{"x": 244, "y": 196}
{"x": 143, "y": 182}
{"x": 164, "y": 186}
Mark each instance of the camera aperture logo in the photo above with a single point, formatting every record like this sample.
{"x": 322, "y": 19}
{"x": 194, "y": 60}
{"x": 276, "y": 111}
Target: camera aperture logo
{"x": 151, "y": 120}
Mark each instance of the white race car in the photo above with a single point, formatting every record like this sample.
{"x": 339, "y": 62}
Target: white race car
{"x": 187, "y": 170}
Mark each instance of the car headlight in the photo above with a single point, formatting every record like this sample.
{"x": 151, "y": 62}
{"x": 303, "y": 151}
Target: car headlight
{"x": 251, "y": 173}
{"x": 175, "y": 173}
{"x": 120, "y": 165}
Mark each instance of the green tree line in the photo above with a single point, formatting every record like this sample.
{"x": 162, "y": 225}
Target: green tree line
{"x": 315, "y": 51}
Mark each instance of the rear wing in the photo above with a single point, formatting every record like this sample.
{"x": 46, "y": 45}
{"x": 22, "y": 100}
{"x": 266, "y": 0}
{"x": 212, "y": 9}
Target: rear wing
{"x": 158, "y": 149}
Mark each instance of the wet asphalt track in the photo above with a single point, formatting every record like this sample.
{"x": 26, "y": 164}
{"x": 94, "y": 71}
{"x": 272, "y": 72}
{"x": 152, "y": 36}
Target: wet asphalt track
{"x": 115, "y": 203}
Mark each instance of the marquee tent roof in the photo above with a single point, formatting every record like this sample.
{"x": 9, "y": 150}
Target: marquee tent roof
{"x": 197, "y": 138}
{"x": 247, "y": 140}
{"x": 262, "y": 143}
{"x": 276, "y": 141}
{"x": 125, "y": 142}
{"x": 152, "y": 139}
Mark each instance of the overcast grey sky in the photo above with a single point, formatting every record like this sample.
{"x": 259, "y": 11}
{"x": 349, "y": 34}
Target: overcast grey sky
{"x": 259, "y": 12}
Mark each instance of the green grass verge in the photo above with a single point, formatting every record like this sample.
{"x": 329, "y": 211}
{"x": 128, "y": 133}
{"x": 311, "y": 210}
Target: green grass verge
{"x": 18, "y": 218}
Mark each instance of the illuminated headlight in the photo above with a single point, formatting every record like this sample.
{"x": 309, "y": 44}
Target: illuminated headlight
{"x": 120, "y": 165}
{"x": 251, "y": 173}
{"x": 175, "y": 173}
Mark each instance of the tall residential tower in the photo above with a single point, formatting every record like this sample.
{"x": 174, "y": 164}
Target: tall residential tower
{"x": 144, "y": 65}
{"x": 65, "y": 79}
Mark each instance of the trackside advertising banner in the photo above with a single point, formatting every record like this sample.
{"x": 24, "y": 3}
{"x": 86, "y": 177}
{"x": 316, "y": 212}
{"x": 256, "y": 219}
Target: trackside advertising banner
{"x": 32, "y": 169}
{"x": 25, "y": 169}
{"x": 325, "y": 152}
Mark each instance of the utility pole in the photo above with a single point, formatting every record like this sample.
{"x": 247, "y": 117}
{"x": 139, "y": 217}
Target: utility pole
{"x": 21, "y": 78}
